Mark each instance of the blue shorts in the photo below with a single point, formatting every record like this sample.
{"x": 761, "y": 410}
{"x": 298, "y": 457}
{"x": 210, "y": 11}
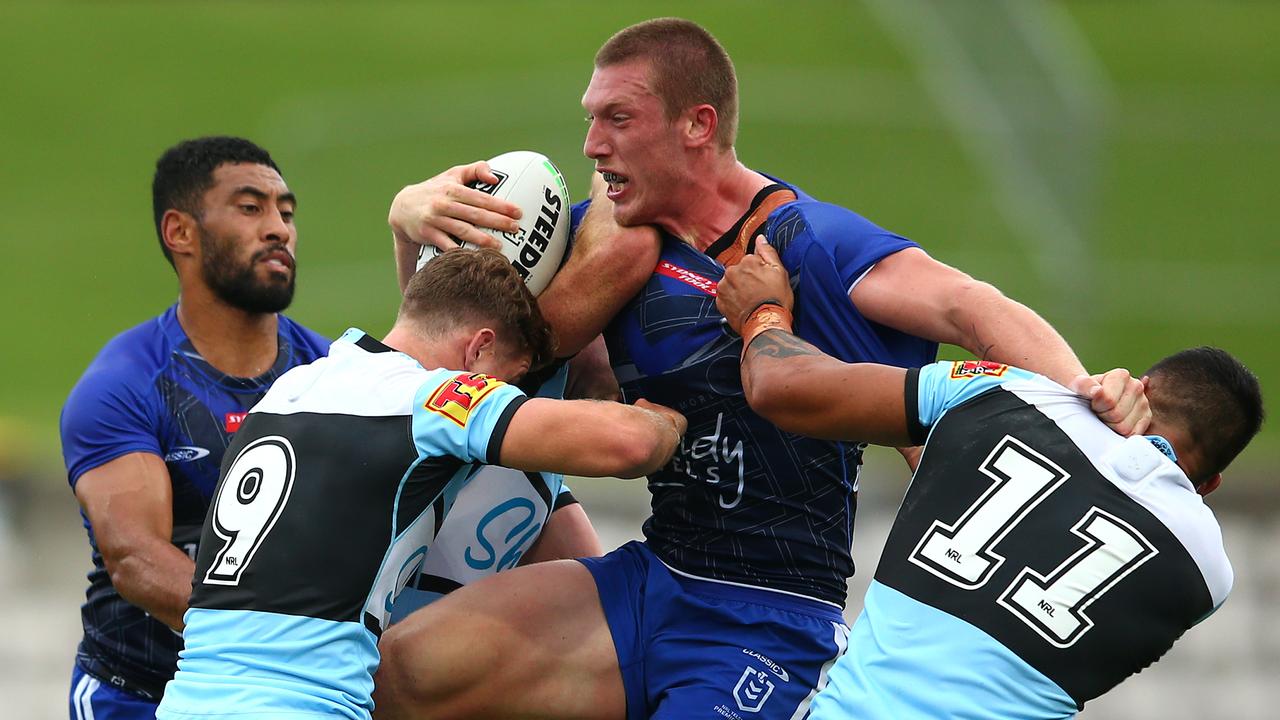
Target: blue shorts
{"x": 92, "y": 699}
{"x": 697, "y": 648}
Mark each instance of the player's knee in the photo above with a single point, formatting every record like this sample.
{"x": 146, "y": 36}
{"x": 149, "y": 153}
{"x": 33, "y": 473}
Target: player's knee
{"x": 417, "y": 677}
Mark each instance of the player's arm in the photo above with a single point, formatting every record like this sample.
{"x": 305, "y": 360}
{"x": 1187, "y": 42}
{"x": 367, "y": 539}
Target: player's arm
{"x": 129, "y": 503}
{"x": 590, "y": 375}
{"x": 436, "y": 211}
{"x": 914, "y": 293}
{"x": 569, "y": 534}
{"x": 607, "y": 266}
{"x": 793, "y": 384}
{"x": 592, "y": 438}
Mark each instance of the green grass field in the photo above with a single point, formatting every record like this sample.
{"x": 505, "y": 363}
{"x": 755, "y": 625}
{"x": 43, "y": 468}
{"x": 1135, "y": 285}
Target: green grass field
{"x": 1129, "y": 195}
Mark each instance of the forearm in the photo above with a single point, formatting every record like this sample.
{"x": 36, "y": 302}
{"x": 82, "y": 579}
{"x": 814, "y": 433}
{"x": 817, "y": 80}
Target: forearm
{"x": 801, "y": 390}
{"x": 157, "y": 578}
{"x": 608, "y": 265}
{"x": 406, "y": 254}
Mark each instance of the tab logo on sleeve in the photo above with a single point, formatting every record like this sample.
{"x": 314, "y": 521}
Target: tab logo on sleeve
{"x": 459, "y": 395}
{"x": 966, "y": 369}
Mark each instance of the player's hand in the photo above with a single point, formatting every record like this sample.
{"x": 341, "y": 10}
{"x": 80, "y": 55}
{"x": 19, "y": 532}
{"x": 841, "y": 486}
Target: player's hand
{"x": 756, "y": 278}
{"x": 678, "y": 421}
{"x": 437, "y": 211}
{"x": 1117, "y": 398}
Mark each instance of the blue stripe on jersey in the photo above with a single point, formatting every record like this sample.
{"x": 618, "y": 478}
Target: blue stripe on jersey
{"x": 946, "y": 384}
{"x": 255, "y": 663}
{"x": 908, "y": 660}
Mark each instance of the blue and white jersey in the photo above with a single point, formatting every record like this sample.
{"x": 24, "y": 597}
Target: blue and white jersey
{"x": 149, "y": 391}
{"x": 329, "y": 500}
{"x": 495, "y": 519}
{"x": 1038, "y": 559}
{"x": 742, "y": 501}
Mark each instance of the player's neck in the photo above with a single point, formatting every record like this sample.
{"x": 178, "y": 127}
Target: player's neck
{"x": 429, "y": 352}
{"x": 236, "y": 342}
{"x": 716, "y": 200}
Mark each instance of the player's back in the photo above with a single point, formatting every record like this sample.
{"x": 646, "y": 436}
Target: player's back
{"x": 329, "y": 499}
{"x": 1037, "y": 559}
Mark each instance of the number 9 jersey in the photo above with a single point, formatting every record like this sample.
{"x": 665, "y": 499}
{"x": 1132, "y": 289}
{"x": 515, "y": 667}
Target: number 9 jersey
{"x": 328, "y": 502}
{"x": 1038, "y": 558}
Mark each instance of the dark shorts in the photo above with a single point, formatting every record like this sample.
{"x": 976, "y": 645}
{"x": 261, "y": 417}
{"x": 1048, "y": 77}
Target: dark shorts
{"x": 692, "y": 648}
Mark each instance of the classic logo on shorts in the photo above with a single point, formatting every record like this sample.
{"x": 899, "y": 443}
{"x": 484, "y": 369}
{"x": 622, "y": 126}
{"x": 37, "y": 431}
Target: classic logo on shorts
{"x": 752, "y": 690}
{"x": 965, "y": 369}
{"x": 458, "y": 396}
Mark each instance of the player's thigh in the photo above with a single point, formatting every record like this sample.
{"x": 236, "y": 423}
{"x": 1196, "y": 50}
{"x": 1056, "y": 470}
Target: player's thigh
{"x": 531, "y": 641}
{"x": 93, "y": 699}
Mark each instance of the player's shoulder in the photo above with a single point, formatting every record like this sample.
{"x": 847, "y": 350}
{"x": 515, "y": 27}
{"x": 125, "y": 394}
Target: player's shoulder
{"x": 835, "y": 229}
{"x": 308, "y": 343}
{"x": 129, "y": 361}
{"x": 358, "y": 376}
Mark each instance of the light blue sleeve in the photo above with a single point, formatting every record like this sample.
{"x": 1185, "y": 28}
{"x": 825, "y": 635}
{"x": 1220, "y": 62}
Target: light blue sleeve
{"x": 945, "y": 384}
{"x": 463, "y": 414}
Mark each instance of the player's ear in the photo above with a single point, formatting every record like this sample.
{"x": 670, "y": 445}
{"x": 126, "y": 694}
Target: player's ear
{"x": 1209, "y": 485}
{"x": 482, "y": 345}
{"x": 180, "y": 232}
{"x": 700, "y": 126}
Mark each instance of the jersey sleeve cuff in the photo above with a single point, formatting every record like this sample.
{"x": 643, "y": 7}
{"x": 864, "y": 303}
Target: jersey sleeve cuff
{"x": 500, "y": 430}
{"x": 564, "y": 499}
{"x": 915, "y": 429}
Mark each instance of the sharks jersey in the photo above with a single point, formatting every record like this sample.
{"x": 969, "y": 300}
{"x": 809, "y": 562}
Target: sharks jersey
{"x": 743, "y": 501}
{"x": 149, "y": 391}
{"x": 496, "y": 518}
{"x": 330, "y": 498}
{"x": 1038, "y": 559}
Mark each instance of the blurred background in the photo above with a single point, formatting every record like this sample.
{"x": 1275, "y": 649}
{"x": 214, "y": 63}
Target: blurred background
{"x": 1111, "y": 164}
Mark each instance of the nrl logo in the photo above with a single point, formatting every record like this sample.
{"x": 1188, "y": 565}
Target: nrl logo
{"x": 752, "y": 690}
{"x": 488, "y": 189}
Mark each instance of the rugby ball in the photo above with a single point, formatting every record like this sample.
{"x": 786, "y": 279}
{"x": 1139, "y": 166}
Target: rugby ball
{"x": 533, "y": 183}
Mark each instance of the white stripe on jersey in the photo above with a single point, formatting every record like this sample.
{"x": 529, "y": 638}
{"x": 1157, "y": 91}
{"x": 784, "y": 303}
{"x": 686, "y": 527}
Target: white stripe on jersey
{"x": 841, "y": 640}
{"x": 373, "y": 384}
{"x": 1143, "y": 473}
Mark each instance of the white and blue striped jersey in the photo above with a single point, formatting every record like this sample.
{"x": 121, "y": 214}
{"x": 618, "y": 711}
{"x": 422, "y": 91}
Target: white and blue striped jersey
{"x": 495, "y": 519}
{"x": 1038, "y": 559}
{"x": 328, "y": 503}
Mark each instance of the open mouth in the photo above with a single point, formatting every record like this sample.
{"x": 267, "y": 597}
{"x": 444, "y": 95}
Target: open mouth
{"x": 615, "y": 182}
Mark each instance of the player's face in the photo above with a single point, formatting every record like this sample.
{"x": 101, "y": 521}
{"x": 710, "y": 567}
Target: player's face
{"x": 635, "y": 147}
{"x": 247, "y": 238}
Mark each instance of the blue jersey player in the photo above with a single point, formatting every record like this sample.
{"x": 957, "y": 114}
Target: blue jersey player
{"x": 1038, "y": 558}
{"x": 732, "y": 605}
{"x": 145, "y": 428}
{"x": 338, "y": 483}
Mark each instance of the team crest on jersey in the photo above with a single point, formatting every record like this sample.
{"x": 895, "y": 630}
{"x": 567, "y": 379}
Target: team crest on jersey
{"x": 459, "y": 395}
{"x": 965, "y": 369}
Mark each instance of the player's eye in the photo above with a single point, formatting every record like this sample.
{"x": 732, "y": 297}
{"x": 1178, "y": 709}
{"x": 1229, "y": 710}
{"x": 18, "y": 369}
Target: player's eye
{"x": 286, "y": 215}
{"x": 248, "y": 208}
{"x": 620, "y": 119}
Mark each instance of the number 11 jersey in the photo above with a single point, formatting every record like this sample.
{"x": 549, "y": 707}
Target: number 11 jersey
{"x": 1038, "y": 558}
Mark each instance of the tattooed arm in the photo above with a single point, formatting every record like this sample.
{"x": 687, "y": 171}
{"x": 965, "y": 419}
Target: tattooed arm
{"x": 798, "y": 388}
{"x": 793, "y": 384}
